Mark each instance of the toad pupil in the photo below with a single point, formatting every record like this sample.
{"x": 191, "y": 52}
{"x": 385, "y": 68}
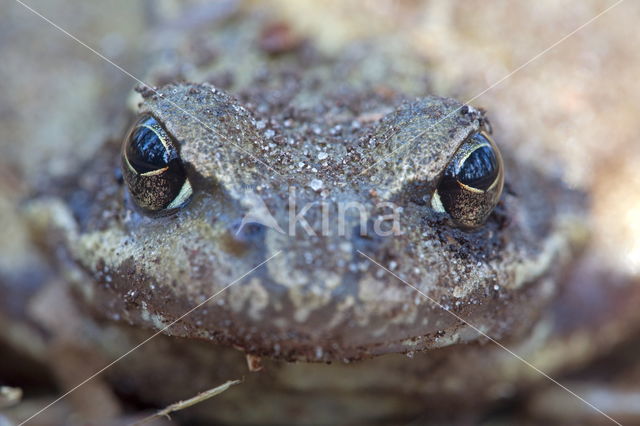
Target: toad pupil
{"x": 152, "y": 168}
{"x": 145, "y": 152}
{"x": 480, "y": 169}
{"x": 472, "y": 182}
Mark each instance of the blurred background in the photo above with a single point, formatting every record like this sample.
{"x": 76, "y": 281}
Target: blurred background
{"x": 573, "y": 109}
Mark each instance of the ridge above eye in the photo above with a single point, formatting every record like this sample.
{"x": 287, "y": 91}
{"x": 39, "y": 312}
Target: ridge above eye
{"x": 472, "y": 182}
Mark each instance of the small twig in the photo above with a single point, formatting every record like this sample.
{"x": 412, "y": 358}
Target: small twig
{"x": 254, "y": 363}
{"x": 9, "y": 396}
{"x": 181, "y": 405}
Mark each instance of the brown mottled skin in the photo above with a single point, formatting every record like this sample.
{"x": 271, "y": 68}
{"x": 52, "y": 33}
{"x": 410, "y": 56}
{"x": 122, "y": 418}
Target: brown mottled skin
{"x": 260, "y": 133}
{"x": 320, "y": 292}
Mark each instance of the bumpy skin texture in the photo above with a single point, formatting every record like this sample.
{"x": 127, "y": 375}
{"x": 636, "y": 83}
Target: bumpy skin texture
{"x": 329, "y": 131}
{"x": 320, "y": 299}
{"x": 293, "y": 121}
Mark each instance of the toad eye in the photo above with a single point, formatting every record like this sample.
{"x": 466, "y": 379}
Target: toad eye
{"x": 472, "y": 182}
{"x": 152, "y": 168}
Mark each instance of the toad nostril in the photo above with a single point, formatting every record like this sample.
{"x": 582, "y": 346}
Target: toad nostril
{"x": 247, "y": 231}
{"x": 243, "y": 237}
{"x": 367, "y": 239}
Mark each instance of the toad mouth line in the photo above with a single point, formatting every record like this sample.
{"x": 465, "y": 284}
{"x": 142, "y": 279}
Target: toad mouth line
{"x": 157, "y": 333}
{"x": 491, "y": 339}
